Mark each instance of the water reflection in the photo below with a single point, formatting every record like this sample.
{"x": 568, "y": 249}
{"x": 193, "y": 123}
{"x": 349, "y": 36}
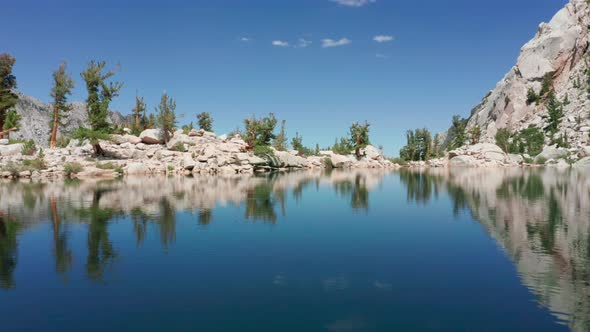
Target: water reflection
{"x": 540, "y": 218}
{"x": 145, "y": 202}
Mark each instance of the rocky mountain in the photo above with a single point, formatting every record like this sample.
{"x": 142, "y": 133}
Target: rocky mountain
{"x": 559, "y": 54}
{"x": 36, "y": 117}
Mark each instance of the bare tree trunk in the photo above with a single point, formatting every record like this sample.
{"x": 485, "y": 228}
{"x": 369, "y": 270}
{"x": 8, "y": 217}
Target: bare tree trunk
{"x": 53, "y": 141}
{"x": 98, "y": 151}
{"x": 7, "y": 131}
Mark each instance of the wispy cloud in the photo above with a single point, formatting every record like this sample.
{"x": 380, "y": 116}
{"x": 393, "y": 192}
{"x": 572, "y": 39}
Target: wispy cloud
{"x": 280, "y": 43}
{"x": 381, "y": 56}
{"x": 383, "y": 38}
{"x": 353, "y": 3}
{"x": 245, "y": 39}
{"x": 335, "y": 43}
{"x": 303, "y": 43}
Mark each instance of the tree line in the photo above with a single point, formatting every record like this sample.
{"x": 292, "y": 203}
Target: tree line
{"x": 101, "y": 88}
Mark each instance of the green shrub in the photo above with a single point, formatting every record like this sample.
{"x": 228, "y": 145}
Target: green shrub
{"x": 72, "y": 168}
{"x": 540, "y": 161}
{"x": 13, "y": 168}
{"x": 29, "y": 148}
{"x": 107, "y": 165}
{"x": 170, "y": 168}
{"x": 36, "y": 164}
{"x": 62, "y": 141}
{"x": 179, "y": 147}
{"x": 261, "y": 150}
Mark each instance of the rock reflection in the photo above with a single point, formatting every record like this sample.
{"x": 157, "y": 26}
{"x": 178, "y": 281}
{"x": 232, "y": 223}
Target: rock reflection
{"x": 150, "y": 204}
{"x": 541, "y": 218}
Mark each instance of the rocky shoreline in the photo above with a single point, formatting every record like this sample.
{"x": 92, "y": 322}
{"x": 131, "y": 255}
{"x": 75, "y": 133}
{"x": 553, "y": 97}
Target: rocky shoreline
{"x": 201, "y": 152}
{"x": 197, "y": 152}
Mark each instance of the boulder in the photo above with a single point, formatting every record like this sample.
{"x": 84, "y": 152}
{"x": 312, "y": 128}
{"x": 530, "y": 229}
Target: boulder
{"x": 289, "y": 160}
{"x": 188, "y": 162}
{"x": 340, "y": 161}
{"x": 585, "y": 151}
{"x": 4, "y": 141}
{"x": 514, "y": 159}
{"x": 371, "y": 152}
{"x": 551, "y": 152}
{"x": 152, "y": 136}
{"x": 583, "y": 164}
{"x": 179, "y": 138}
{"x": 11, "y": 150}
{"x": 137, "y": 169}
{"x": 463, "y": 161}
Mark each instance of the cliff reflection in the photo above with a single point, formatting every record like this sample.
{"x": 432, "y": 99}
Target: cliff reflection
{"x": 541, "y": 218}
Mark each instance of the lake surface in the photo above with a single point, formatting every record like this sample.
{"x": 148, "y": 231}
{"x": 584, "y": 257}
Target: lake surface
{"x": 461, "y": 250}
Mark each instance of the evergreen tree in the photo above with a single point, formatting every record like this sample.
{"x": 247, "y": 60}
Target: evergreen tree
{"x": 12, "y": 120}
{"x": 280, "y": 141}
{"x": 503, "y": 136}
{"x": 531, "y": 96}
{"x": 297, "y": 142}
{"x": 436, "y": 146}
{"x": 166, "y": 116}
{"x": 475, "y": 134}
{"x": 260, "y": 132}
{"x": 139, "y": 114}
{"x": 62, "y": 87}
{"x": 205, "y": 121}
{"x": 100, "y": 95}
{"x": 7, "y": 85}
{"x": 555, "y": 110}
{"x": 359, "y": 137}
{"x": 458, "y": 132}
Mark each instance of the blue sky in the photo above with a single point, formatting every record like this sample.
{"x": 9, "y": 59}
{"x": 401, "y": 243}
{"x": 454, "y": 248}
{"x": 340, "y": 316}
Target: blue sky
{"x": 231, "y": 58}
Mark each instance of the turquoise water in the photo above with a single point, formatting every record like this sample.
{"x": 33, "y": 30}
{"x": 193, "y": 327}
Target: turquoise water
{"x": 471, "y": 250}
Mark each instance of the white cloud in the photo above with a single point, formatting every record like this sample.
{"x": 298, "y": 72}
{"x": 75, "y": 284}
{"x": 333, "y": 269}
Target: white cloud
{"x": 381, "y": 56}
{"x": 353, "y": 3}
{"x": 335, "y": 43}
{"x": 245, "y": 39}
{"x": 383, "y": 38}
{"x": 303, "y": 43}
{"x": 280, "y": 43}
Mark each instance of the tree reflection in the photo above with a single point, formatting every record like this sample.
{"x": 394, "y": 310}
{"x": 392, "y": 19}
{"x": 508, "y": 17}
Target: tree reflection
{"x": 61, "y": 250}
{"x": 356, "y": 189}
{"x": 260, "y": 203}
{"x": 420, "y": 186}
{"x": 101, "y": 252}
{"x": 9, "y": 229}
{"x": 205, "y": 216}
{"x": 166, "y": 220}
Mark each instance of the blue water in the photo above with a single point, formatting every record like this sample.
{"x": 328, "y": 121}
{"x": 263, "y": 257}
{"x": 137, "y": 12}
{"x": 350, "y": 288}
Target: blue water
{"x": 331, "y": 256}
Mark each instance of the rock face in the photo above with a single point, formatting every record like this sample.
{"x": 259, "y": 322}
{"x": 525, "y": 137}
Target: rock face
{"x": 558, "y": 49}
{"x": 36, "y": 117}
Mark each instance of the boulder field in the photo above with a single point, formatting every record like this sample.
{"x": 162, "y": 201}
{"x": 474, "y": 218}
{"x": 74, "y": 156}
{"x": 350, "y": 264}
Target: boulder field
{"x": 196, "y": 152}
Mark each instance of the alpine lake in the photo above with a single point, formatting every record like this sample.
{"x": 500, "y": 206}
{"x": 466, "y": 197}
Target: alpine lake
{"x": 407, "y": 250}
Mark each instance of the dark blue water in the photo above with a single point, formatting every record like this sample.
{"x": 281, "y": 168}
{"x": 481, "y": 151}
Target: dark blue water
{"x": 301, "y": 252}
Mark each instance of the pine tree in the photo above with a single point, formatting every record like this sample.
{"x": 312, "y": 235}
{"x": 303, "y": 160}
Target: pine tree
{"x": 280, "y": 141}
{"x": 458, "y": 132}
{"x": 62, "y": 87}
{"x": 12, "y": 120}
{"x": 7, "y": 85}
{"x": 475, "y": 134}
{"x": 139, "y": 113}
{"x": 359, "y": 137}
{"x": 503, "y": 136}
{"x": 555, "y": 110}
{"x": 166, "y": 115}
{"x": 205, "y": 121}
{"x": 100, "y": 95}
